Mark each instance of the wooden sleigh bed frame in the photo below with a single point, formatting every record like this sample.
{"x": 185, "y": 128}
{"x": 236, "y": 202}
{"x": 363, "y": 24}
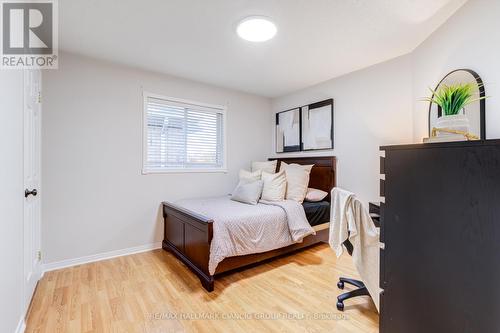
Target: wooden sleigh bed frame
{"x": 188, "y": 235}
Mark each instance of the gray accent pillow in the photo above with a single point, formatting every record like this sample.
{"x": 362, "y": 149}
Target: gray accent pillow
{"x": 248, "y": 192}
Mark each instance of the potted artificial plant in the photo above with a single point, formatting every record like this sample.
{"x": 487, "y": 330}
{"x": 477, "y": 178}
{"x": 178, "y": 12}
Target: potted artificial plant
{"x": 452, "y": 99}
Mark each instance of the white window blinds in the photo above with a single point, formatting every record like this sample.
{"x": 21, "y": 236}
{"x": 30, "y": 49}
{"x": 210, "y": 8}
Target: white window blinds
{"x": 182, "y": 136}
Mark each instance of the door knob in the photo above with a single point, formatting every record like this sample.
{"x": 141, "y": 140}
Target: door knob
{"x": 27, "y": 192}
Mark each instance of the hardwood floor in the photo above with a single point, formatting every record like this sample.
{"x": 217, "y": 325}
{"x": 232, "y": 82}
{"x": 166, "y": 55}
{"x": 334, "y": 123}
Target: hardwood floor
{"x": 154, "y": 292}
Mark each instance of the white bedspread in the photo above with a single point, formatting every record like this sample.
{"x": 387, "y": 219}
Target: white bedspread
{"x": 241, "y": 229}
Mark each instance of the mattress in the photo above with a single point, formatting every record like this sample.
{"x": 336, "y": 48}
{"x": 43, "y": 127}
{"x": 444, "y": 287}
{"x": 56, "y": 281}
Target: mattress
{"x": 317, "y": 212}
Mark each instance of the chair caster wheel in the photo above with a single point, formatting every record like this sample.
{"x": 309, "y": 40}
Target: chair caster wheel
{"x": 340, "y": 306}
{"x": 340, "y": 284}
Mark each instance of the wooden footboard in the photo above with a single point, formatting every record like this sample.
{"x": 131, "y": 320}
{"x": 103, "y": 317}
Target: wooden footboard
{"x": 188, "y": 236}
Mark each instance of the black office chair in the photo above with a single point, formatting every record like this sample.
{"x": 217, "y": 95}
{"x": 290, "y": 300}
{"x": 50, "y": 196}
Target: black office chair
{"x": 362, "y": 290}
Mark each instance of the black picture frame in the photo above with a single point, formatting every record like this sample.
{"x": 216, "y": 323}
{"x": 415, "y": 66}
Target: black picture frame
{"x": 317, "y": 105}
{"x": 300, "y": 146}
{"x": 294, "y": 148}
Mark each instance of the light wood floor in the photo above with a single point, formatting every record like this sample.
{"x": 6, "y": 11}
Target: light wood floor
{"x": 153, "y": 292}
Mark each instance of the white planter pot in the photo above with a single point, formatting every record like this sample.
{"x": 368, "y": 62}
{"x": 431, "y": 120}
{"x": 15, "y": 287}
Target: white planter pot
{"x": 458, "y": 122}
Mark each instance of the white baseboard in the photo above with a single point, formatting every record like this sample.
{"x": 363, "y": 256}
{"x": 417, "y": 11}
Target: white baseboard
{"x": 98, "y": 257}
{"x": 21, "y": 326}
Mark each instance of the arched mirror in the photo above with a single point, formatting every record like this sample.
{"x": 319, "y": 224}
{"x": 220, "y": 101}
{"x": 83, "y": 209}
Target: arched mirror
{"x": 474, "y": 112}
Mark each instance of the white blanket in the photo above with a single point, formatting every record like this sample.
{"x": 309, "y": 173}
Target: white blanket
{"x": 349, "y": 220}
{"x": 240, "y": 229}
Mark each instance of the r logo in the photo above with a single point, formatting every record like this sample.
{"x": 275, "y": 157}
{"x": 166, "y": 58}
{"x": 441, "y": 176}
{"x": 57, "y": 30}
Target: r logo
{"x": 27, "y": 28}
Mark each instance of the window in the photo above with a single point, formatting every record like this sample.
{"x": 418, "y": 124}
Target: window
{"x": 182, "y": 136}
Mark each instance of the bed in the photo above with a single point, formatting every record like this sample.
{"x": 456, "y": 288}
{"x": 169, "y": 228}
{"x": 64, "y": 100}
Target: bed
{"x": 188, "y": 234}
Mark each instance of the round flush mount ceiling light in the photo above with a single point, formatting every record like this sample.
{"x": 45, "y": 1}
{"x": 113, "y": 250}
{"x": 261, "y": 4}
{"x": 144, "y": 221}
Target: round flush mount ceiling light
{"x": 256, "y": 29}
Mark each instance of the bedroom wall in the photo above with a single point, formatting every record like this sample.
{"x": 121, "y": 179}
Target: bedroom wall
{"x": 469, "y": 39}
{"x": 95, "y": 198}
{"x": 372, "y": 108}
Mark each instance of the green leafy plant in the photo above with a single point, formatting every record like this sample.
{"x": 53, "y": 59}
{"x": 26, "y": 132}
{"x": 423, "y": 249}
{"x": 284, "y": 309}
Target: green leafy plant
{"x": 453, "y": 98}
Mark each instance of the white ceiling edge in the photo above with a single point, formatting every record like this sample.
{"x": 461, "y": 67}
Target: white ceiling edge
{"x": 144, "y": 70}
{"x": 304, "y": 80}
{"x": 381, "y": 62}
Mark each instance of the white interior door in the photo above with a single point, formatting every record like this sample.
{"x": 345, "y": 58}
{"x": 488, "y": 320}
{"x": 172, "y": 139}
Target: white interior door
{"x": 32, "y": 168}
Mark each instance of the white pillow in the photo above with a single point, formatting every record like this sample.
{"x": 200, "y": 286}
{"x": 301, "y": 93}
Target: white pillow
{"x": 315, "y": 195}
{"x": 248, "y": 193}
{"x": 274, "y": 186}
{"x": 297, "y": 178}
{"x": 268, "y": 166}
{"x": 250, "y": 176}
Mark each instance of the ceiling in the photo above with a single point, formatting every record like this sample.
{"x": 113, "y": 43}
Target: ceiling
{"x": 317, "y": 39}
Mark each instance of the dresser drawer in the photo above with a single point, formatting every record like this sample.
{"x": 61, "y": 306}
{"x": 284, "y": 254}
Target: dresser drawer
{"x": 381, "y": 221}
{"x": 382, "y": 165}
{"x": 383, "y": 282}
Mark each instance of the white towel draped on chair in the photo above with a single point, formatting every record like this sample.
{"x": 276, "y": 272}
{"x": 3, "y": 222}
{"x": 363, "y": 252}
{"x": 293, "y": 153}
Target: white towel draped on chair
{"x": 350, "y": 220}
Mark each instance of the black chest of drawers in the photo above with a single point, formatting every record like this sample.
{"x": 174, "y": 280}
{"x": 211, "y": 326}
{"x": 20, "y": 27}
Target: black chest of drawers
{"x": 440, "y": 224}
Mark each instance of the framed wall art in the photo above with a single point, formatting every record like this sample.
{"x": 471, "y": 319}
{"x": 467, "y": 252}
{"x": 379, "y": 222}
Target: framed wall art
{"x": 288, "y": 131}
{"x": 317, "y": 125}
{"x": 305, "y": 128}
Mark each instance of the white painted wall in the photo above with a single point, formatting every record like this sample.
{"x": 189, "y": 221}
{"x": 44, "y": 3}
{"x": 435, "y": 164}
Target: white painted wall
{"x": 372, "y": 108}
{"x": 11, "y": 199}
{"x": 95, "y": 198}
{"x": 380, "y": 104}
{"x": 469, "y": 39}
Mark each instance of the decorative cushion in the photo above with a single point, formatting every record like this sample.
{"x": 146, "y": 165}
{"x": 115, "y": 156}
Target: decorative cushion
{"x": 315, "y": 195}
{"x": 274, "y": 186}
{"x": 268, "y": 166}
{"x": 297, "y": 178}
{"x": 248, "y": 192}
{"x": 250, "y": 176}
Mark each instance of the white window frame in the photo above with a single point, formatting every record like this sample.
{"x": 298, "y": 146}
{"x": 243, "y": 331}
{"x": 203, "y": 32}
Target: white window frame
{"x": 220, "y": 108}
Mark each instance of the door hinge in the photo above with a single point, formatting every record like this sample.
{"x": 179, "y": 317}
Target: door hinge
{"x": 39, "y": 255}
{"x": 39, "y": 97}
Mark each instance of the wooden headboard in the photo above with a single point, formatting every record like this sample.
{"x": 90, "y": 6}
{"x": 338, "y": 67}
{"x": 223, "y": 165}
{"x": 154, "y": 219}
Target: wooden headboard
{"x": 323, "y": 174}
